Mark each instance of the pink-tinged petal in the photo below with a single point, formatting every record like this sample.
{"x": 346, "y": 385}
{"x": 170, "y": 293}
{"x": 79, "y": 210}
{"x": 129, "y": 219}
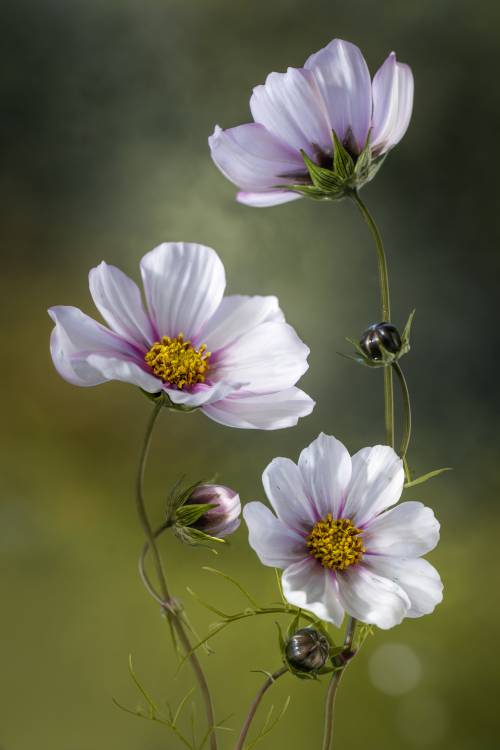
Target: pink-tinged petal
{"x": 235, "y": 316}
{"x": 392, "y": 104}
{"x": 202, "y": 394}
{"x": 291, "y": 107}
{"x": 309, "y": 586}
{"x": 254, "y": 159}
{"x": 287, "y": 494}
{"x": 416, "y": 576}
{"x": 372, "y": 598}
{"x": 74, "y": 338}
{"x": 270, "y": 357}
{"x": 264, "y": 411}
{"x": 112, "y": 368}
{"x": 344, "y": 81}
{"x": 408, "y": 530}
{"x": 184, "y": 285}
{"x": 267, "y": 199}
{"x": 275, "y": 544}
{"x": 376, "y": 483}
{"x": 325, "y": 466}
{"x": 118, "y": 299}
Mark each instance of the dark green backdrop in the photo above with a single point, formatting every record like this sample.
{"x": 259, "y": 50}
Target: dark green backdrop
{"x": 106, "y": 108}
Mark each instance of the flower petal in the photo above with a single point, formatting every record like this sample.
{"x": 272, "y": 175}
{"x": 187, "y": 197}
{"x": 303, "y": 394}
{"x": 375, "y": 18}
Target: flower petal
{"x": 275, "y": 544}
{"x": 236, "y": 315}
{"x": 325, "y": 466}
{"x": 344, "y": 81}
{"x": 74, "y": 338}
{"x": 376, "y": 483}
{"x": 372, "y": 598}
{"x": 266, "y": 199}
{"x": 416, "y": 576}
{"x": 285, "y": 489}
{"x": 202, "y": 393}
{"x": 270, "y": 357}
{"x": 408, "y": 530}
{"x": 309, "y": 586}
{"x": 118, "y": 299}
{"x": 392, "y": 104}
{"x": 184, "y": 285}
{"x": 291, "y": 107}
{"x": 254, "y": 159}
{"x": 113, "y": 368}
{"x": 263, "y": 411}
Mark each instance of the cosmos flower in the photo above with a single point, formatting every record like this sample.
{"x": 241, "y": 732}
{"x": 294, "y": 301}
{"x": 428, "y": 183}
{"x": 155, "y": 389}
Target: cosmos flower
{"x": 340, "y": 547}
{"x": 295, "y": 114}
{"x": 233, "y": 357}
{"x": 224, "y": 517}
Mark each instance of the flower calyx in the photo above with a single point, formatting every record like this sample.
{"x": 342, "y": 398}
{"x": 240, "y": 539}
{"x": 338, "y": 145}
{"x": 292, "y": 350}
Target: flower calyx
{"x": 381, "y": 345}
{"x": 347, "y": 174}
{"x": 203, "y": 513}
{"x": 161, "y": 397}
{"x": 306, "y": 651}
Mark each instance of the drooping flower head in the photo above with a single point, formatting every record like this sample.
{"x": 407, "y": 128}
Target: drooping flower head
{"x": 233, "y": 357}
{"x": 320, "y": 130}
{"x": 340, "y": 547}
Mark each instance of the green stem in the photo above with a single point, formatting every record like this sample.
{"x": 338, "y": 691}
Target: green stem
{"x": 343, "y": 659}
{"x": 405, "y": 440}
{"x": 271, "y": 679}
{"x": 385, "y": 312}
{"x": 167, "y": 602}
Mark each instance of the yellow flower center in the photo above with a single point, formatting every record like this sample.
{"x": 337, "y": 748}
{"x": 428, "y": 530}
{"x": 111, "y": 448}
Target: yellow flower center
{"x": 177, "y": 362}
{"x": 336, "y": 544}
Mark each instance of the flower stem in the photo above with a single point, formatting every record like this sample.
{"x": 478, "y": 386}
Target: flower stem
{"x": 342, "y": 660}
{"x": 385, "y": 312}
{"x": 271, "y": 679}
{"x": 168, "y": 604}
{"x": 405, "y": 441}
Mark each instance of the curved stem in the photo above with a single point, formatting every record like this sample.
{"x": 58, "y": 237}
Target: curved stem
{"x": 385, "y": 312}
{"x": 255, "y": 704}
{"x": 405, "y": 440}
{"x": 342, "y": 660}
{"x": 166, "y": 601}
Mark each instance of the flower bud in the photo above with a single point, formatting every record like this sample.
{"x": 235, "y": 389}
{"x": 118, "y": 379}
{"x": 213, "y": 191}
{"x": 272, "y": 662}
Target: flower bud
{"x": 307, "y": 650}
{"x": 224, "y": 518}
{"x": 379, "y": 337}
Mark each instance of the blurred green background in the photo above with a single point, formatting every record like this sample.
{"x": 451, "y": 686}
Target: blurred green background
{"x": 106, "y": 111}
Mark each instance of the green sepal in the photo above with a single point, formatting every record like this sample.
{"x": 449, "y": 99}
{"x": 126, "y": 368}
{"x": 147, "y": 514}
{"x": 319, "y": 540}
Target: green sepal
{"x": 405, "y": 336}
{"x": 178, "y": 497}
{"x": 325, "y": 180}
{"x": 162, "y": 398}
{"x": 195, "y": 537}
{"x": 343, "y": 163}
{"x": 188, "y": 514}
{"x": 425, "y": 477}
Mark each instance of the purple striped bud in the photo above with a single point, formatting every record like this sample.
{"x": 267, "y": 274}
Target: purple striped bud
{"x": 222, "y": 519}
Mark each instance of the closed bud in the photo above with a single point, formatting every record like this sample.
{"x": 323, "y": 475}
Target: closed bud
{"x": 223, "y": 518}
{"x": 307, "y": 650}
{"x": 380, "y": 339}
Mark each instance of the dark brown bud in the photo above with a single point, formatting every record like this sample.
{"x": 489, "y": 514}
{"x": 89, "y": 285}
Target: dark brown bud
{"x": 307, "y": 650}
{"x": 380, "y": 336}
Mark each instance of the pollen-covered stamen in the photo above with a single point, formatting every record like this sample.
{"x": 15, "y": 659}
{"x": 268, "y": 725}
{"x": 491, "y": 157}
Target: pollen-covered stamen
{"x": 336, "y": 544}
{"x": 177, "y": 362}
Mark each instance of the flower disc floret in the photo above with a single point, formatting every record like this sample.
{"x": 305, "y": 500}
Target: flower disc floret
{"x": 337, "y": 544}
{"x": 177, "y": 362}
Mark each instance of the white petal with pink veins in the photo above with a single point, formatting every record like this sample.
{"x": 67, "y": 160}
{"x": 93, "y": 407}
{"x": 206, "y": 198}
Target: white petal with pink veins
{"x": 376, "y": 483}
{"x": 113, "y": 368}
{"x": 325, "y": 466}
{"x": 392, "y": 104}
{"x": 287, "y": 494}
{"x": 309, "y": 586}
{"x": 118, "y": 299}
{"x": 275, "y": 544}
{"x": 372, "y": 598}
{"x": 184, "y": 284}
{"x": 291, "y": 107}
{"x": 235, "y": 316}
{"x": 344, "y": 81}
{"x": 267, "y": 199}
{"x": 263, "y": 411}
{"x": 416, "y": 576}
{"x": 408, "y": 530}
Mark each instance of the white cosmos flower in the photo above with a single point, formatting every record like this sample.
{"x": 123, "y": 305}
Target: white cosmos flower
{"x": 340, "y": 548}
{"x": 233, "y": 357}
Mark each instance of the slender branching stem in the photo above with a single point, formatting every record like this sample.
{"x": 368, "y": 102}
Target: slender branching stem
{"x": 405, "y": 440}
{"x": 270, "y": 680}
{"x": 167, "y": 603}
{"x": 385, "y": 312}
{"x": 341, "y": 660}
